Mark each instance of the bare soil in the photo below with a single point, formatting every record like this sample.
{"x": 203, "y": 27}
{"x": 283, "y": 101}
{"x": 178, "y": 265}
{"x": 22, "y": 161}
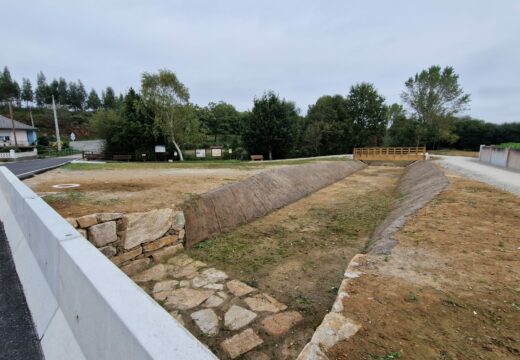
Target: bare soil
{"x": 299, "y": 253}
{"x": 129, "y": 189}
{"x": 451, "y": 287}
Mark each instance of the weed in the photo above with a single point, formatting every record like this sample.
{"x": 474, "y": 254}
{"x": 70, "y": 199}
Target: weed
{"x": 386, "y": 258}
{"x": 450, "y": 302}
{"x": 412, "y": 296}
{"x": 388, "y": 356}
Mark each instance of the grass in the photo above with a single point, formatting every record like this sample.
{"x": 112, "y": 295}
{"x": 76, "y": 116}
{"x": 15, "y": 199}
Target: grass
{"x": 454, "y": 152}
{"x": 74, "y": 197}
{"x": 214, "y": 164}
{"x": 509, "y": 145}
{"x": 251, "y": 247}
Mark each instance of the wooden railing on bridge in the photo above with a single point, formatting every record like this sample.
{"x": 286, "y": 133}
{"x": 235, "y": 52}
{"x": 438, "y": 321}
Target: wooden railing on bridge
{"x": 390, "y": 153}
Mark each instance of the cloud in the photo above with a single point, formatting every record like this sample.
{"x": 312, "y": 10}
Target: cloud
{"x": 234, "y": 50}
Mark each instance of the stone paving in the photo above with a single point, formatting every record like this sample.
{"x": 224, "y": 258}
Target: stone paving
{"x": 229, "y": 316}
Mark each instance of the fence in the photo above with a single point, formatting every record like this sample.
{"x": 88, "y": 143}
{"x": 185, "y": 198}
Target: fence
{"x": 390, "y": 153}
{"x": 12, "y": 155}
{"x": 504, "y": 157}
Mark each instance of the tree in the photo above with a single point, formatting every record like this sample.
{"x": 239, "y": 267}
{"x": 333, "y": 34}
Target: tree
{"x": 403, "y": 131}
{"x": 93, "y": 101}
{"x": 54, "y": 90}
{"x": 368, "y": 112}
{"x": 42, "y": 90}
{"x": 63, "y": 94}
{"x": 269, "y": 128}
{"x": 434, "y": 97}
{"x": 109, "y": 98}
{"x": 27, "y": 92}
{"x": 77, "y": 95}
{"x": 9, "y": 89}
{"x": 127, "y": 131}
{"x": 168, "y": 98}
{"x": 327, "y": 127}
{"x": 219, "y": 119}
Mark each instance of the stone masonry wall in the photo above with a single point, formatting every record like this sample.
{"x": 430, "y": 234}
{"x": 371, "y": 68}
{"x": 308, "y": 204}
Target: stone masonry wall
{"x": 132, "y": 241}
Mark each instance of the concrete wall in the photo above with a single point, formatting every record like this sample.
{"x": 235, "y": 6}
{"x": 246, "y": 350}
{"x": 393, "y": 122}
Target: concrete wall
{"x": 513, "y": 161}
{"x": 226, "y": 207}
{"x": 82, "y": 305}
{"x": 508, "y": 158}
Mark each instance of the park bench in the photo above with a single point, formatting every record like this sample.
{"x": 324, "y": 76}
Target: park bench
{"x": 122, "y": 157}
{"x": 257, "y": 157}
{"x": 92, "y": 156}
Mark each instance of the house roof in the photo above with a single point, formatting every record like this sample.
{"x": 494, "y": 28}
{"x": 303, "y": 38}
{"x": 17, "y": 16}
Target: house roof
{"x": 5, "y": 123}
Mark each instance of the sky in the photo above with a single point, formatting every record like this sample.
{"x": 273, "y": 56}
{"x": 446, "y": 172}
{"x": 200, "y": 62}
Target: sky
{"x": 235, "y": 50}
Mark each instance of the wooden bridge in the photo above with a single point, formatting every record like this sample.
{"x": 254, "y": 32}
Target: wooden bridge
{"x": 390, "y": 153}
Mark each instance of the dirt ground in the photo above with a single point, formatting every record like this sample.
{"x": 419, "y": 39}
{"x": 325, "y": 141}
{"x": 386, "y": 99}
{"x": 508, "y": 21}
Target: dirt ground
{"x": 128, "y": 189}
{"x": 450, "y": 289}
{"x": 299, "y": 253}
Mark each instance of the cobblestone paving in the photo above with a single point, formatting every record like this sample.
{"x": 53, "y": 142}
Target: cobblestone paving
{"x": 229, "y": 316}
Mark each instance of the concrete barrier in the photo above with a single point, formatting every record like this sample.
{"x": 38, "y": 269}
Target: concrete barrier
{"x": 503, "y": 157}
{"x": 82, "y": 305}
{"x": 226, "y": 207}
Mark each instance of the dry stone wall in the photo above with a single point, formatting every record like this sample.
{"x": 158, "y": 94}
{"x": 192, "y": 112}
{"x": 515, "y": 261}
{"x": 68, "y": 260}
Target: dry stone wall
{"x": 132, "y": 241}
{"x": 226, "y": 207}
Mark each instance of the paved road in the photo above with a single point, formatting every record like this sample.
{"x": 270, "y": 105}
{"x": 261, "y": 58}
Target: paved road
{"x": 18, "y": 338}
{"x": 470, "y": 167}
{"x": 24, "y": 169}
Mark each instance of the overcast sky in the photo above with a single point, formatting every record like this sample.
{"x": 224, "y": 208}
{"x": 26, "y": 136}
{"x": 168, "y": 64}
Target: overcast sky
{"x": 234, "y": 50}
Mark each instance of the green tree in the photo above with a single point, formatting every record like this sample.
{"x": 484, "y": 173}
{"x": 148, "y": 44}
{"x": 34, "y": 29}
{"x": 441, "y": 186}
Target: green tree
{"x": 77, "y": 95}
{"x": 27, "y": 94}
{"x": 328, "y": 127}
{"x": 93, "y": 101}
{"x": 127, "y": 131}
{"x": 269, "y": 128}
{"x": 9, "y": 89}
{"x": 219, "y": 119}
{"x": 63, "y": 94}
{"x": 54, "y": 91}
{"x": 434, "y": 97}
{"x": 168, "y": 99}
{"x": 42, "y": 93}
{"x": 367, "y": 109}
{"x": 108, "y": 97}
{"x": 403, "y": 131}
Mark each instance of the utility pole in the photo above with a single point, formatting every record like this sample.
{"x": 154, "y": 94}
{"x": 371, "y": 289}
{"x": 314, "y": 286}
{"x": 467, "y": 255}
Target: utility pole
{"x": 58, "y": 141}
{"x": 32, "y": 120}
{"x": 12, "y": 122}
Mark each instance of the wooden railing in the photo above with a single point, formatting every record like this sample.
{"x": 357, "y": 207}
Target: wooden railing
{"x": 390, "y": 153}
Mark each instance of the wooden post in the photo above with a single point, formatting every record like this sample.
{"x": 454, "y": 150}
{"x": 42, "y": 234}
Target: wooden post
{"x": 12, "y": 123}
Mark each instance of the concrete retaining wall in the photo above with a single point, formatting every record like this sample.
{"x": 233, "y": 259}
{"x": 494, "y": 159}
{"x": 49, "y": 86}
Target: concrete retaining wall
{"x": 82, "y": 305}
{"x": 508, "y": 158}
{"x": 225, "y": 208}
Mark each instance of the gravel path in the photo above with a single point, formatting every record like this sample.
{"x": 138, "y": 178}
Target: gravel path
{"x": 470, "y": 167}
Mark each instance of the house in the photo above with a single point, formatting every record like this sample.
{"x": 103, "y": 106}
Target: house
{"x": 25, "y": 134}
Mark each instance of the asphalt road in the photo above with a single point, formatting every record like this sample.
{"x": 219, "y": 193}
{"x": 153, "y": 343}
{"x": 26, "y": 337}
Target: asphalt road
{"x": 24, "y": 169}
{"x": 501, "y": 178}
{"x": 18, "y": 338}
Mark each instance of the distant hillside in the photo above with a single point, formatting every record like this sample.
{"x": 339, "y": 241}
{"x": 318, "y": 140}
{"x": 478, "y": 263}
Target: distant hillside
{"x": 77, "y": 122}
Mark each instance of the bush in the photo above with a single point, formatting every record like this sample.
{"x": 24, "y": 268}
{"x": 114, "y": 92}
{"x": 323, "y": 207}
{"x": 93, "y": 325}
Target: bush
{"x": 509, "y": 145}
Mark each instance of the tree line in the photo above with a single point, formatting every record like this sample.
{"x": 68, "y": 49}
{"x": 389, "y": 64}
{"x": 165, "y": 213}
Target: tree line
{"x": 68, "y": 94}
{"x": 161, "y": 113}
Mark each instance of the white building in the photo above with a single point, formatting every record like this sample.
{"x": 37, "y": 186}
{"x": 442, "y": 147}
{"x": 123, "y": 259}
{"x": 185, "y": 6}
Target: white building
{"x": 25, "y": 134}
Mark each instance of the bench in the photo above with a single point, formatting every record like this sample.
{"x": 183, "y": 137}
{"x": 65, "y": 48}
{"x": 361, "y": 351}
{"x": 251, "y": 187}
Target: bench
{"x": 122, "y": 157}
{"x": 257, "y": 157}
{"x": 91, "y": 156}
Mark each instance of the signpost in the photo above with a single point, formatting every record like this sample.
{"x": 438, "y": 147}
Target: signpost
{"x": 72, "y": 136}
{"x": 200, "y": 153}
